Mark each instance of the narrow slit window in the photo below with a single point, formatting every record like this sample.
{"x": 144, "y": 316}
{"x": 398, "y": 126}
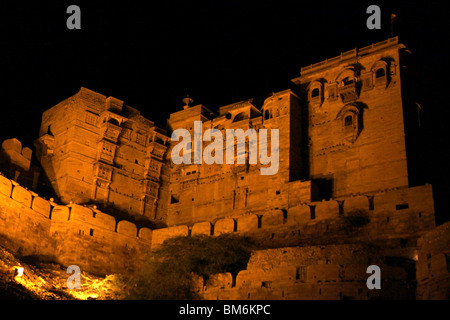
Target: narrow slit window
{"x": 312, "y": 212}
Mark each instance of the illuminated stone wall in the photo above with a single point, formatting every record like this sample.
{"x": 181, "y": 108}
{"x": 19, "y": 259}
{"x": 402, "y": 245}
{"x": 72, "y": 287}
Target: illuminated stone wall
{"x": 97, "y": 149}
{"x": 355, "y": 113}
{"x": 72, "y": 234}
{"x": 342, "y": 156}
{"x": 341, "y": 133}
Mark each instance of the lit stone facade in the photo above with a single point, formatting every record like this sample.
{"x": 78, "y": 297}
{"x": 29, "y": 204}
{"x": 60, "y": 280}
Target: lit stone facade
{"x": 345, "y": 130}
{"x": 97, "y": 149}
{"x": 341, "y": 133}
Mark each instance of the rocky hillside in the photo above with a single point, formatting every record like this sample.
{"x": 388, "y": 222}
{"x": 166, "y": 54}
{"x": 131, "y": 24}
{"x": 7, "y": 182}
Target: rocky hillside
{"x": 48, "y": 281}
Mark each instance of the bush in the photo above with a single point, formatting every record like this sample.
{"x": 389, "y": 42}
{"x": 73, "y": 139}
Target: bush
{"x": 168, "y": 273}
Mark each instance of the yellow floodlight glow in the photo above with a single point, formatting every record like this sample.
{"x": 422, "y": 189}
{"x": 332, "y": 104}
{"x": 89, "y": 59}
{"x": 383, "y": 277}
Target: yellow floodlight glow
{"x": 19, "y": 271}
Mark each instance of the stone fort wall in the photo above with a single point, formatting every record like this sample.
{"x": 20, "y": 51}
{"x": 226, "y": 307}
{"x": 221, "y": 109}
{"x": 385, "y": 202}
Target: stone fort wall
{"x": 312, "y": 256}
{"x": 69, "y": 234}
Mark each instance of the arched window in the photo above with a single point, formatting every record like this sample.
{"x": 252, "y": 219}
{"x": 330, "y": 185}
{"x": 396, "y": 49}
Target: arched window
{"x": 240, "y": 116}
{"x": 315, "y": 93}
{"x": 114, "y": 121}
{"x": 347, "y": 80}
{"x": 380, "y": 73}
{"x": 267, "y": 114}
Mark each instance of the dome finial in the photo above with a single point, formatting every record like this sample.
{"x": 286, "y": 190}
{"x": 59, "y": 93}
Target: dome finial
{"x": 187, "y": 101}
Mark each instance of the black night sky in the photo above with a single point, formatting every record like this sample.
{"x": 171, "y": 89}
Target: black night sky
{"x": 151, "y": 54}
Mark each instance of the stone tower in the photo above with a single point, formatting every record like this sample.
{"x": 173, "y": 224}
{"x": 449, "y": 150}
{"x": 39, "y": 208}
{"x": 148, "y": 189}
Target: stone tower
{"x": 96, "y": 149}
{"x": 355, "y": 113}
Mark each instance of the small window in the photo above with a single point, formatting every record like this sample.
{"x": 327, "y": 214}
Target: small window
{"x": 267, "y": 115}
{"x": 380, "y": 73}
{"x": 347, "y": 81}
{"x": 91, "y": 118}
{"x": 174, "y": 199}
{"x": 315, "y": 93}
{"x": 114, "y": 121}
{"x": 312, "y": 212}
{"x": 300, "y": 273}
{"x": 401, "y": 206}
{"x": 371, "y": 203}
{"x": 140, "y": 139}
{"x": 91, "y": 232}
{"x": 240, "y": 116}
{"x": 348, "y": 121}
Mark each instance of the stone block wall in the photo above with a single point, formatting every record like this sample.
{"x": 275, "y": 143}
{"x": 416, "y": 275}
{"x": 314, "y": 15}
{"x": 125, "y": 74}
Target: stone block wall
{"x": 433, "y": 264}
{"x": 331, "y": 272}
{"x": 99, "y": 244}
{"x": 72, "y": 234}
{"x": 394, "y": 214}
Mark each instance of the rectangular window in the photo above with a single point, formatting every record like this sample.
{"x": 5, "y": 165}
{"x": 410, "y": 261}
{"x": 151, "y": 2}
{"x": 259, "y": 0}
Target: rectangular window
{"x": 91, "y": 118}
{"x": 140, "y": 139}
{"x": 300, "y": 273}
{"x": 313, "y": 212}
{"x": 126, "y": 133}
{"x": 401, "y": 206}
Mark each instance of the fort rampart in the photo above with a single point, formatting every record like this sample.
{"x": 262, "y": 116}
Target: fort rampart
{"x": 311, "y": 256}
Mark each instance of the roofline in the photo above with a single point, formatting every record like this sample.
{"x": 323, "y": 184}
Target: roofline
{"x": 390, "y": 42}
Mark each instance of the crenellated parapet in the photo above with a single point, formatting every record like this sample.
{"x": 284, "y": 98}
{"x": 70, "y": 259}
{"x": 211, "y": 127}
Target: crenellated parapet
{"x": 399, "y": 213}
{"x": 72, "y": 234}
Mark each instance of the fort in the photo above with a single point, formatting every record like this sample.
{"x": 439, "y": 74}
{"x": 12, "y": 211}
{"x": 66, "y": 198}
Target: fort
{"x": 346, "y": 134}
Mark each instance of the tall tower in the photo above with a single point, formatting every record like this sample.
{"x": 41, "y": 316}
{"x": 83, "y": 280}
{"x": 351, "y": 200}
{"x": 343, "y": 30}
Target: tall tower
{"x": 356, "y": 126}
{"x": 97, "y": 149}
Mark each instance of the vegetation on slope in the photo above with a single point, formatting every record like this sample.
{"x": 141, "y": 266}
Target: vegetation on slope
{"x": 171, "y": 269}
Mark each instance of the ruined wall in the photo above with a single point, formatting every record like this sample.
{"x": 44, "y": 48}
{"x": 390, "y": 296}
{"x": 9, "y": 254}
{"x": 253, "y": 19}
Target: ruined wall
{"x": 433, "y": 266}
{"x": 329, "y": 251}
{"x": 310, "y": 273}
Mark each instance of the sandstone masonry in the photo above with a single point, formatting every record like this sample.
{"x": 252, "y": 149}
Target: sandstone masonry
{"x": 345, "y": 134}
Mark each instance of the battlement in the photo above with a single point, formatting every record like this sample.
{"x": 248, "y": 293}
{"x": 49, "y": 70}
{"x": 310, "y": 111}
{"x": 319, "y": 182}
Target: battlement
{"x": 343, "y": 178}
{"x": 41, "y": 227}
{"x": 400, "y": 213}
{"x": 403, "y": 213}
{"x": 348, "y": 55}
